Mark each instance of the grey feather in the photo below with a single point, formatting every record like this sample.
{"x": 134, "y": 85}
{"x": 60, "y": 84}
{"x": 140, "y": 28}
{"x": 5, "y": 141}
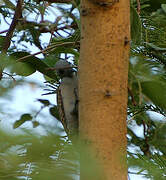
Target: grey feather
{"x": 67, "y": 97}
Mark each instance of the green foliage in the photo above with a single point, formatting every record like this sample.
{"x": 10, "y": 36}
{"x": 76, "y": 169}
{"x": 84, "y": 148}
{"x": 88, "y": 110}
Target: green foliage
{"x": 54, "y": 112}
{"x": 29, "y": 156}
{"x": 23, "y": 119}
{"x": 34, "y": 63}
{"x": 44, "y": 102}
{"x": 147, "y": 92}
{"x": 136, "y": 26}
{"x": 153, "y": 167}
{"x": 156, "y": 94}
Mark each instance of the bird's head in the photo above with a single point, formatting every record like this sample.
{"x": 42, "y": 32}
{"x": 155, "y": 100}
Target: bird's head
{"x": 64, "y": 69}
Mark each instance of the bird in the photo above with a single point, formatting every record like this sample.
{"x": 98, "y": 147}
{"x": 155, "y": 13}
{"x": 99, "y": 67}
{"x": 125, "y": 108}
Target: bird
{"x": 67, "y": 96}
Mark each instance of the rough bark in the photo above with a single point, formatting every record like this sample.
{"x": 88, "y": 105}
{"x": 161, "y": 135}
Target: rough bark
{"x": 103, "y": 77}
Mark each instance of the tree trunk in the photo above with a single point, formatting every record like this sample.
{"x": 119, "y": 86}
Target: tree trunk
{"x": 103, "y": 77}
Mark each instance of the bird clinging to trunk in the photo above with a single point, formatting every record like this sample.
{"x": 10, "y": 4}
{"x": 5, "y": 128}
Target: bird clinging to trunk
{"x": 67, "y": 96}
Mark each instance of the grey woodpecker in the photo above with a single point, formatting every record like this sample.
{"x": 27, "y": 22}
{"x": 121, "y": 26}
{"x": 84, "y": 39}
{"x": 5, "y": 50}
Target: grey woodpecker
{"x": 67, "y": 96}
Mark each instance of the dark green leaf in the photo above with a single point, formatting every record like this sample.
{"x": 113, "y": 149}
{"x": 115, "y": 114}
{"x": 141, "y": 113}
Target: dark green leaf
{"x": 51, "y": 60}
{"x": 18, "y": 123}
{"x": 9, "y": 4}
{"x": 156, "y": 92}
{"x": 136, "y": 26}
{"x": 22, "y": 120}
{"x": 22, "y": 69}
{"x": 26, "y": 117}
{"x": 6, "y": 61}
{"x": 35, "y": 124}
{"x": 35, "y": 63}
{"x": 44, "y": 102}
{"x": 54, "y": 112}
{"x": 155, "y": 4}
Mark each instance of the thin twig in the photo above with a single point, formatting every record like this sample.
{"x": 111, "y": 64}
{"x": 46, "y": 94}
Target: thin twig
{"x": 136, "y": 173}
{"x": 58, "y": 1}
{"x": 46, "y": 30}
{"x": 55, "y": 68}
{"x": 132, "y": 97}
{"x": 138, "y": 7}
{"x": 146, "y": 150}
{"x": 4, "y": 31}
{"x": 46, "y": 49}
{"x": 10, "y": 76}
{"x": 41, "y": 108}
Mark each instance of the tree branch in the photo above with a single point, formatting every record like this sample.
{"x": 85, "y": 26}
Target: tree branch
{"x": 4, "y": 31}
{"x": 132, "y": 97}
{"x": 17, "y": 15}
{"x": 57, "y": 1}
{"x": 46, "y": 49}
{"x": 138, "y": 7}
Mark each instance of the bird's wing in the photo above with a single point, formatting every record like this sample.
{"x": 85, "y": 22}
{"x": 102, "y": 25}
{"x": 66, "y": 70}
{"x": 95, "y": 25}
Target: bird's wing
{"x": 61, "y": 110}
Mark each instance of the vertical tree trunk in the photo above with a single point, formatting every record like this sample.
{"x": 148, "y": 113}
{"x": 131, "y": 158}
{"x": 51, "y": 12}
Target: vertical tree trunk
{"x": 103, "y": 77}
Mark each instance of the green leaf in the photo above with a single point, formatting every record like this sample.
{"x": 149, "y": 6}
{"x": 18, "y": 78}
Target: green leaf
{"x": 35, "y": 63}
{"x": 155, "y": 4}
{"x": 51, "y": 60}
{"x": 136, "y": 26}
{"x": 9, "y": 4}
{"x": 163, "y": 6}
{"x": 22, "y": 120}
{"x": 154, "y": 47}
{"x": 5, "y": 61}
{"x": 26, "y": 117}
{"x": 44, "y": 102}
{"x": 17, "y": 124}
{"x": 75, "y": 37}
{"x": 35, "y": 34}
{"x": 54, "y": 112}
{"x": 22, "y": 69}
{"x": 35, "y": 124}
{"x": 67, "y": 51}
{"x": 156, "y": 92}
